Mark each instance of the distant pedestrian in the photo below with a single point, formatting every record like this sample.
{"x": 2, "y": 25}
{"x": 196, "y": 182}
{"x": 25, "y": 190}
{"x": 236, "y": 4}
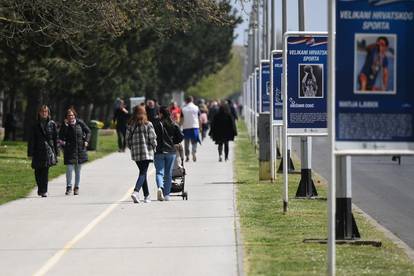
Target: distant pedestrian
{"x": 74, "y": 137}
{"x": 203, "y": 120}
{"x": 191, "y": 126}
{"x": 223, "y": 130}
{"x": 175, "y": 112}
{"x": 233, "y": 110}
{"x": 121, "y": 116}
{"x": 142, "y": 141}
{"x": 10, "y": 125}
{"x": 212, "y": 111}
{"x": 152, "y": 110}
{"x": 43, "y": 148}
{"x": 168, "y": 135}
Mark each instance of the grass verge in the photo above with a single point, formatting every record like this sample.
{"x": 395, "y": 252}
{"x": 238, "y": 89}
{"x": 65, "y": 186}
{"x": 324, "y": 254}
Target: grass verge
{"x": 273, "y": 241}
{"x": 16, "y": 174}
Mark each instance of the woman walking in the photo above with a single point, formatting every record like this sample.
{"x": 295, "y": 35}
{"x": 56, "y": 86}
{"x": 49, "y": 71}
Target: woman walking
{"x": 142, "y": 141}
{"x": 223, "y": 130}
{"x": 168, "y": 135}
{"x": 42, "y": 148}
{"x": 74, "y": 137}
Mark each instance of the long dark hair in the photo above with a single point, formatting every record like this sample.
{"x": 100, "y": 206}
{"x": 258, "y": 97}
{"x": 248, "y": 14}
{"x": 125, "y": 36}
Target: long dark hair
{"x": 225, "y": 108}
{"x": 166, "y": 115}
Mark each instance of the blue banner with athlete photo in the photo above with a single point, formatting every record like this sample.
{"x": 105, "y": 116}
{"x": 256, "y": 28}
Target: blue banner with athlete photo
{"x": 374, "y": 79}
{"x": 257, "y": 89}
{"x": 307, "y": 84}
{"x": 265, "y": 86}
{"x": 277, "y": 63}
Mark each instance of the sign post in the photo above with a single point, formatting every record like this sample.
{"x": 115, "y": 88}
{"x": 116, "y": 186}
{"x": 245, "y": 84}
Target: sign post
{"x": 371, "y": 104}
{"x": 264, "y": 122}
{"x": 276, "y": 105}
{"x": 305, "y": 96}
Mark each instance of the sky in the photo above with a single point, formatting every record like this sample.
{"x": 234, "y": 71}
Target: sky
{"x": 316, "y": 16}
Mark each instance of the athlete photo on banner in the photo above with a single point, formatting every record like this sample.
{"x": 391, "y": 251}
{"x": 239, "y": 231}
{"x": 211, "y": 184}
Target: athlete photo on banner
{"x": 265, "y": 86}
{"x": 375, "y": 63}
{"x": 306, "y": 59}
{"x": 277, "y": 78}
{"x": 311, "y": 80}
{"x": 278, "y": 93}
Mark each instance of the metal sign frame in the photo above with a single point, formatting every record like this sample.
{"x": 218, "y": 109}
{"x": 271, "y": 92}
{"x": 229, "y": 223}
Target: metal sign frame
{"x": 285, "y": 134}
{"x": 262, "y": 63}
{"x": 388, "y": 103}
{"x": 256, "y": 102}
{"x": 272, "y": 100}
{"x": 373, "y": 148}
{"x": 294, "y": 131}
{"x": 274, "y": 124}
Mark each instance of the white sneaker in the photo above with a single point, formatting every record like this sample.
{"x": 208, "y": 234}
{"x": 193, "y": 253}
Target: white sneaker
{"x": 167, "y": 198}
{"x": 160, "y": 195}
{"x": 135, "y": 197}
{"x": 147, "y": 199}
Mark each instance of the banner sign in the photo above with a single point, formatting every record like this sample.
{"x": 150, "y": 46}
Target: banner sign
{"x": 277, "y": 63}
{"x": 306, "y": 84}
{"x": 374, "y": 106}
{"x": 265, "y": 86}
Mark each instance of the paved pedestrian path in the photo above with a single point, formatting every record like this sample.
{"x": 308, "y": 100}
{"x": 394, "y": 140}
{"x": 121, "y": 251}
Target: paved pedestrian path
{"x": 101, "y": 232}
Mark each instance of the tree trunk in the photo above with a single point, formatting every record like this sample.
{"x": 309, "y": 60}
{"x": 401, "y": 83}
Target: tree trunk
{"x": 1, "y": 108}
{"x": 30, "y": 116}
{"x": 108, "y": 114}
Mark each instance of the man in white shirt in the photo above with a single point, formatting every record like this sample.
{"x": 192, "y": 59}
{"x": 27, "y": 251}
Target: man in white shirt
{"x": 191, "y": 125}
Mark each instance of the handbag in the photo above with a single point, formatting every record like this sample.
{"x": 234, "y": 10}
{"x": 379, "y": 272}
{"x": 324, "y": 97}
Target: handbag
{"x": 51, "y": 155}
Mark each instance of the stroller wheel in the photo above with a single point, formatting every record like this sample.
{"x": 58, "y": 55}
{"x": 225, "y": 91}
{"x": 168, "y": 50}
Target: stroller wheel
{"x": 185, "y": 196}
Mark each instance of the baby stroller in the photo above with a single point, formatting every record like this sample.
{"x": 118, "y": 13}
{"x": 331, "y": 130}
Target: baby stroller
{"x": 178, "y": 174}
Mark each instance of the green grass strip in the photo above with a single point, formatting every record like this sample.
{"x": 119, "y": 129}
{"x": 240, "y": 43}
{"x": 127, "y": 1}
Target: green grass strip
{"x": 273, "y": 241}
{"x": 17, "y": 176}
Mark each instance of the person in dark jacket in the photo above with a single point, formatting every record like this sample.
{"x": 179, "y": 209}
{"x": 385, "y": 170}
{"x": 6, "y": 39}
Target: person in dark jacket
{"x": 121, "y": 116}
{"x": 42, "y": 148}
{"x": 223, "y": 130}
{"x": 152, "y": 110}
{"x": 74, "y": 136}
{"x": 10, "y": 127}
{"x": 168, "y": 135}
{"x": 233, "y": 111}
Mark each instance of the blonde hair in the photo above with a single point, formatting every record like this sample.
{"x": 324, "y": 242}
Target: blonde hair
{"x": 41, "y": 108}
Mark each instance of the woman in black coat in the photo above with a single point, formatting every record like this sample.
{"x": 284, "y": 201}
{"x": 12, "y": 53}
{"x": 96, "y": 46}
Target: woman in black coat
{"x": 168, "y": 135}
{"x": 74, "y": 136}
{"x": 42, "y": 148}
{"x": 223, "y": 130}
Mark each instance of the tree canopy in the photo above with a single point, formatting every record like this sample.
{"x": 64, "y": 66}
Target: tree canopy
{"x": 88, "y": 52}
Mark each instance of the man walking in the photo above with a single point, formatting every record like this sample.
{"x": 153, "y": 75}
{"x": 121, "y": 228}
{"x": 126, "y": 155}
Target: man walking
{"x": 191, "y": 127}
{"x": 121, "y": 116}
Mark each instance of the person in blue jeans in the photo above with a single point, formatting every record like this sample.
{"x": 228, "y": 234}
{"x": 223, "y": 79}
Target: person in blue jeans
{"x": 74, "y": 137}
{"x": 142, "y": 141}
{"x": 168, "y": 134}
